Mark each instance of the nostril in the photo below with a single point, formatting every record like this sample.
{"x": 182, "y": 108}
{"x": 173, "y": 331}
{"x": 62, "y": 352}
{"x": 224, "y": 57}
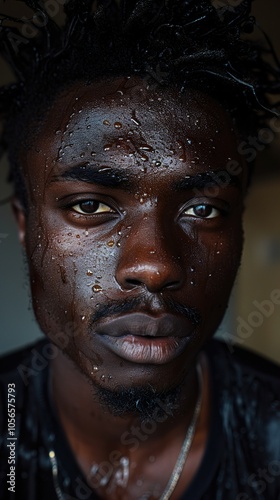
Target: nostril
{"x": 172, "y": 285}
{"x": 133, "y": 282}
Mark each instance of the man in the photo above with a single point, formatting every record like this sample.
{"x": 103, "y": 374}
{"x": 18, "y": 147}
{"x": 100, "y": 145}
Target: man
{"x": 129, "y": 193}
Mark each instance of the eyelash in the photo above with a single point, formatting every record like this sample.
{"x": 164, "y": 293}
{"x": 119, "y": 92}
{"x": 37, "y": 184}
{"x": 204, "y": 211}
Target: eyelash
{"x": 206, "y": 206}
{"x": 99, "y": 204}
{"x": 106, "y": 209}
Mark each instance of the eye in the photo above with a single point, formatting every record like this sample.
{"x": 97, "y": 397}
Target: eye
{"x": 203, "y": 211}
{"x": 92, "y": 207}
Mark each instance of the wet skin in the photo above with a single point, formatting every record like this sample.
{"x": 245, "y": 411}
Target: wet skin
{"x": 121, "y": 214}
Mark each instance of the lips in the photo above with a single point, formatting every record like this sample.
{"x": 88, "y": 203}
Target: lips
{"x": 143, "y": 338}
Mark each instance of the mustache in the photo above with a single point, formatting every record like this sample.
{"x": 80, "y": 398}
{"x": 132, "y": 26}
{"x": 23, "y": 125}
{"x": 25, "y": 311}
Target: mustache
{"x": 131, "y": 305}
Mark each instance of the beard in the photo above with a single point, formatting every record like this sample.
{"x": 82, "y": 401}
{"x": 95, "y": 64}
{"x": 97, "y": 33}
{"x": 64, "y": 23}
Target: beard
{"x": 142, "y": 402}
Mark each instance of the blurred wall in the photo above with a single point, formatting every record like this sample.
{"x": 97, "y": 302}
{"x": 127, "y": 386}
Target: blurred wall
{"x": 253, "y": 318}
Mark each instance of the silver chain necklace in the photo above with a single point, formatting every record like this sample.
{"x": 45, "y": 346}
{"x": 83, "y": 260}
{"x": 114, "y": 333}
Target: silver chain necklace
{"x": 177, "y": 471}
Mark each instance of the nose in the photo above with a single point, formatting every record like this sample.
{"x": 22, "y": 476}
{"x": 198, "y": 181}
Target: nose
{"x": 149, "y": 259}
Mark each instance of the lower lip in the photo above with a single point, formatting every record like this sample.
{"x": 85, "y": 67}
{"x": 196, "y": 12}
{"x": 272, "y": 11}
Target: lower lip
{"x": 146, "y": 350}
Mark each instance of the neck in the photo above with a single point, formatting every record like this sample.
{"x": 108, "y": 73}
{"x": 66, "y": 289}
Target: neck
{"x": 96, "y": 436}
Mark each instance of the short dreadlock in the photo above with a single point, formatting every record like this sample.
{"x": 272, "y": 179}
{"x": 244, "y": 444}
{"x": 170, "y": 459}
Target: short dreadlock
{"x": 183, "y": 43}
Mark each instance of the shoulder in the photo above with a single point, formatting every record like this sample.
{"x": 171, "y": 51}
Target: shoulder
{"x": 18, "y": 368}
{"x": 9, "y": 363}
{"x": 235, "y": 361}
{"x": 247, "y": 389}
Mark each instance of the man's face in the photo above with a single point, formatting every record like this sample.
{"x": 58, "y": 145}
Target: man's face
{"x": 132, "y": 254}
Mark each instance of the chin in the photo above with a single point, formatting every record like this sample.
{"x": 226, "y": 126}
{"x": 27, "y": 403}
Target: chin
{"x": 142, "y": 402}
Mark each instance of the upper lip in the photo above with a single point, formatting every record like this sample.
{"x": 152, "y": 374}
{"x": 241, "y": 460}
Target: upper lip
{"x": 145, "y": 325}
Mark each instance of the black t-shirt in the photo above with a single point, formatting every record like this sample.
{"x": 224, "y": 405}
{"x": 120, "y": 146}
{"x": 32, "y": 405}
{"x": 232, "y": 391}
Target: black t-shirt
{"x": 242, "y": 457}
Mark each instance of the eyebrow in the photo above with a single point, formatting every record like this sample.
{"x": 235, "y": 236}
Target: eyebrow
{"x": 114, "y": 178}
{"x": 204, "y": 180}
{"x": 104, "y": 176}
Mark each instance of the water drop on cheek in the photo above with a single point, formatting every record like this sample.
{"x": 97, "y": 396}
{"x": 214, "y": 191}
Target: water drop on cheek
{"x": 96, "y": 288}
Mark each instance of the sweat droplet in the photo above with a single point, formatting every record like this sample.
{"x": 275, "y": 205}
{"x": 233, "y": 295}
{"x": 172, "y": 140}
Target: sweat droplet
{"x": 95, "y": 368}
{"x": 106, "y": 122}
{"x": 103, "y": 378}
{"x": 89, "y": 273}
{"x": 96, "y": 288}
{"x": 117, "y": 125}
{"x": 134, "y": 118}
{"x": 110, "y": 243}
{"x": 83, "y": 318}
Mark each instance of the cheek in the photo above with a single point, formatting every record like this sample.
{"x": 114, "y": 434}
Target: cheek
{"x": 71, "y": 274}
{"x": 212, "y": 271}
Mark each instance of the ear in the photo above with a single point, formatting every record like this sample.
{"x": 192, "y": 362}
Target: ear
{"x": 20, "y": 216}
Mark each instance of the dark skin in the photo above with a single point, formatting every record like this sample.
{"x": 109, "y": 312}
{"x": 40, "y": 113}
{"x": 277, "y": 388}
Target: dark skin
{"x": 118, "y": 214}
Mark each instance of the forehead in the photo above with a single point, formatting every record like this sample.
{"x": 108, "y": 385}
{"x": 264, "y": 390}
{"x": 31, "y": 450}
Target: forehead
{"x": 127, "y": 120}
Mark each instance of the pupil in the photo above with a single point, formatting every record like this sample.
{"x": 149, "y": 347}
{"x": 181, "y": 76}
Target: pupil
{"x": 203, "y": 210}
{"x": 89, "y": 206}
